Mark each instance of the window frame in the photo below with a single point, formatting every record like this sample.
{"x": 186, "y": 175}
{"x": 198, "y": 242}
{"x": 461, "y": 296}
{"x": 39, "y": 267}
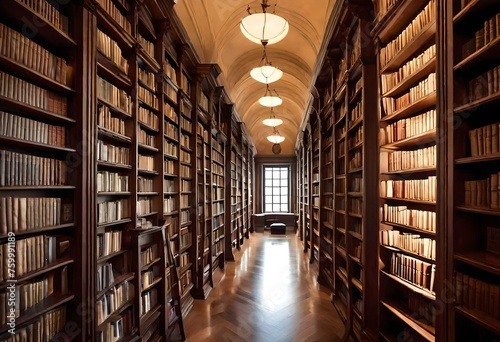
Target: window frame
{"x": 288, "y": 168}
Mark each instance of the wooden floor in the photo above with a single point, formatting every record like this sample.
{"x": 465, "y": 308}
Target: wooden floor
{"x": 269, "y": 294}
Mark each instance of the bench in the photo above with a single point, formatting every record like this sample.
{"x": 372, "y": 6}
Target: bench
{"x": 278, "y": 228}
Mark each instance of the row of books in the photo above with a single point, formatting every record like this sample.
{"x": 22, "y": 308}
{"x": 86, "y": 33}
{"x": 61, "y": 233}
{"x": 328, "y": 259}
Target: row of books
{"x": 171, "y": 131}
{"x": 384, "y": 6}
{"x": 185, "y": 185}
{"x": 148, "y": 301}
{"x": 185, "y": 201}
{"x": 105, "y": 276}
{"x": 148, "y": 118}
{"x": 391, "y": 80}
{"x": 341, "y": 72}
{"x": 420, "y": 219}
{"x": 146, "y": 162}
{"x": 42, "y": 329}
{"x": 19, "y": 127}
{"x": 19, "y": 214}
{"x": 147, "y": 78}
{"x": 185, "y": 280}
{"x": 144, "y": 184}
{"x": 17, "y": 169}
{"x": 110, "y": 8}
{"x": 217, "y": 222}
{"x": 355, "y": 113}
{"x": 493, "y": 240}
{"x": 147, "y": 97}
{"x": 483, "y": 193}
{"x": 148, "y": 46}
{"x": 143, "y": 223}
{"x": 105, "y": 119}
{"x": 413, "y": 159}
{"x": 21, "y": 49}
{"x": 144, "y": 205}
{"x": 170, "y": 91}
{"x": 355, "y": 184}
{"x": 113, "y": 300}
{"x": 184, "y": 257}
{"x": 424, "y": 88}
{"x": 483, "y": 85}
{"x": 169, "y": 205}
{"x": 355, "y": 52}
{"x": 112, "y": 154}
{"x": 111, "y": 211}
{"x": 485, "y": 140}
{"x": 411, "y": 31}
{"x": 147, "y": 278}
{"x": 115, "y": 96}
{"x": 169, "y": 185}
{"x": 116, "y": 327}
{"x": 413, "y": 270}
{"x": 31, "y": 254}
{"x": 185, "y": 124}
{"x": 202, "y": 132}
{"x": 408, "y": 127}
{"x": 185, "y": 171}
{"x": 355, "y": 139}
{"x": 149, "y": 254}
{"x": 109, "y": 243}
{"x": 48, "y": 12}
{"x": 170, "y": 148}
{"x": 411, "y": 189}
{"x": 482, "y": 37}
{"x": 169, "y": 167}
{"x": 409, "y": 242}
{"x": 26, "y": 296}
{"x": 356, "y": 161}
{"x": 169, "y": 70}
{"x": 109, "y": 48}
{"x": 422, "y": 309}
{"x": 355, "y": 206}
{"x": 111, "y": 182}
{"x": 218, "y": 207}
{"x": 19, "y": 90}
{"x": 476, "y": 294}
{"x": 144, "y": 138}
{"x": 185, "y": 141}
{"x": 217, "y": 169}
{"x": 185, "y": 157}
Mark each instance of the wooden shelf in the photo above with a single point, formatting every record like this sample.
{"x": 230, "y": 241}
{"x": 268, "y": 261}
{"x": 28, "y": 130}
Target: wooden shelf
{"x": 155, "y": 282}
{"x": 111, "y": 72}
{"x": 421, "y": 291}
{"x": 430, "y": 169}
{"x": 46, "y": 33}
{"x": 412, "y": 254}
{"x": 408, "y": 200}
{"x": 475, "y": 105}
{"x": 37, "y": 231}
{"x": 37, "y": 188}
{"x": 107, "y": 24}
{"x": 113, "y": 108}
{"x": 479, "y": 159}
{"x": 416, "y": 140}
{"x": 107, "y": 134}
{"x": 477, "y": 210}
{"x": 427, "y": 32}
{"x": 120, "y": 279}
{"x": 415, "y": 107}
{"x": 480, "y": 259}
{"x": 405, "y": 84}
{"x": 105, "y": 258}
{"x": 480, "y": 318}
{"x": 485, "y": 56}
{"x": 31, "y": 112}
{"x": 426, "y": 331}
{"x": 60, "y": 152}
{"x": 410, "y": 228}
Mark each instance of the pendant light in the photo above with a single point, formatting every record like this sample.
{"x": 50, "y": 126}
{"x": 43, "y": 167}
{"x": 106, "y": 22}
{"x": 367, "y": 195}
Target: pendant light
{"x": 272, "y": 121}
{"x": 266, "y": 72}
{"x": 264, "y": 27}
{"x": 276, "y": 138}
{"x": 269, "y": 100}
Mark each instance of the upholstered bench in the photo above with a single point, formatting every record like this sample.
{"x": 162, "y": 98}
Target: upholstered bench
{"x": 278, "y": 228}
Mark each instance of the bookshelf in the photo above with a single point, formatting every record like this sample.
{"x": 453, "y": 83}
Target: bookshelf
{"x": 474, "y": 156}
{"x": 300, "y": 187}
{"x": 327, "y": 195}
{"x": 218, "y": 199}
{"x": 40, "y": 182}
{"x": 408, "y": 182}
{"x": 306, "y": 195}
{"x": 315, "y": 199}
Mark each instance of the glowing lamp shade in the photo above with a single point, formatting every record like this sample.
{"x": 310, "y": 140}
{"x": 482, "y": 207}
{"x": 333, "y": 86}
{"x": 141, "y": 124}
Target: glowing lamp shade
{"x": 266, "y": 74}
{"x": 270, "y": 101}
{"x": 276, "y": 139}
{"x": 264, "y": 27}
{"x": 272, "y": 122}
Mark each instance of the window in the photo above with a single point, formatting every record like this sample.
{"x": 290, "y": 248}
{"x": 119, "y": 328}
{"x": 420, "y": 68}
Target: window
{"x": 276, "y": 189}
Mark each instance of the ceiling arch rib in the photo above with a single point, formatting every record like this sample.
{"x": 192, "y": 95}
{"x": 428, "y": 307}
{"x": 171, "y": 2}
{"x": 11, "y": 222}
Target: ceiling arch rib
{"x": 213, "y": 27}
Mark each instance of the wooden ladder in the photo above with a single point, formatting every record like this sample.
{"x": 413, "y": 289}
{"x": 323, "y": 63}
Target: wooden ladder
{"x": 173, "y": 316}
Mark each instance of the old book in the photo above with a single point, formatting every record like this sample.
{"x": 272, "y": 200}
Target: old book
{"x": 494, "y": 191}
{"x": 495, "y": 138}
{"x": 487, "y": 139}
{"x": 473, "y": 143}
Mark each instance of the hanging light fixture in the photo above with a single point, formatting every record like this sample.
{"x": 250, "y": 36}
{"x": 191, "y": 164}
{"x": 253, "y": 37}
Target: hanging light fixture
{"x": 269, "y": 100}
{"x": 276, "y": 138}
{"x": 264, "y": 27}
{"x": 272, "y": 121}
{"x": 266, "y": 72}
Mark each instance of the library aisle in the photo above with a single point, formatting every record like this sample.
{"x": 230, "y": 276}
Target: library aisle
{"x": 268, "y": 294}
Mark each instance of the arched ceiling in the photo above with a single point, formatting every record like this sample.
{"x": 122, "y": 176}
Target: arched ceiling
{"x": 213, "y": 28}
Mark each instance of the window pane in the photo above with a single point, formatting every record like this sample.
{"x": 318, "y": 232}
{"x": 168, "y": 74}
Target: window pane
{"x": 284, "y": 208}
{"x": 276, "y": 207}
{"x": 284, "y": 182}
{"x": 284, "y": 199}
{"x": 276, "y": 192}
{"x": 269, "y": 182}
{"x": 269, "y": 174}
{"x": 284, "y": 174}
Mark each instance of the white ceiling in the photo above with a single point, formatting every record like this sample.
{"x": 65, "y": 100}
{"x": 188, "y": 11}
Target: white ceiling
{"x": 213, "y": 28}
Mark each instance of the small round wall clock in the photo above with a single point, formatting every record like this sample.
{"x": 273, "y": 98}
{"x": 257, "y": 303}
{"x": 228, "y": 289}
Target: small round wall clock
{"x": 276, "y": 148}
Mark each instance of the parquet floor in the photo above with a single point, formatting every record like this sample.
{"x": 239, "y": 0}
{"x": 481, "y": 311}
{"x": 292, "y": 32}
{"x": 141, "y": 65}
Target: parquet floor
{"x": 269, "y": 294}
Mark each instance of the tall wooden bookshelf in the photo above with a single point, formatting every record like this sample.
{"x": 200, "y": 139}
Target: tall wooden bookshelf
{"x": 37, "y": 202}
{"x": 342, "y": 216}
{"x": 218, "y": 199}
{"x": 300, "y": 187}
{"x": 327, "y": 228}
{"x": 306, "y": 185}
{"x": 471, "y": 126}
{"x": 407, "y": 69}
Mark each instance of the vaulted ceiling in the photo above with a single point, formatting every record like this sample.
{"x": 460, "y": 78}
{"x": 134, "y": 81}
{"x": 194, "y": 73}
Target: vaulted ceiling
{"x": 213, "y": 28}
